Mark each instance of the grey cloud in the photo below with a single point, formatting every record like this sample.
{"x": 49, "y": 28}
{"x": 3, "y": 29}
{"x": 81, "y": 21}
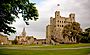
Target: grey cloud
{"x": 85, "y": 14}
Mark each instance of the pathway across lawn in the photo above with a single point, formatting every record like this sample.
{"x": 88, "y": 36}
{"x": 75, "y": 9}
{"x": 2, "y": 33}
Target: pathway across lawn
{"x": 36, "y": 48}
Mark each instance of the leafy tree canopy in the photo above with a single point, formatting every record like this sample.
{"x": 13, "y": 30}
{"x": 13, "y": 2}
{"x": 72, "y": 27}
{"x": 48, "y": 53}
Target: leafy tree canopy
{"x": 8, "y": 8}
{"x": 85, "y": 36}
{"x": 87, "y": 30}
{"x": 72, "y": 30}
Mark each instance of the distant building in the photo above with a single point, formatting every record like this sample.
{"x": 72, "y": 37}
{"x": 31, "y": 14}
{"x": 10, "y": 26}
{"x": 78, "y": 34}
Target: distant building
{"x": 3, "y": 40}
{"x": 40, "y": 41}
{"x": 23, "y": 39}
{"x": 54, "y": 29}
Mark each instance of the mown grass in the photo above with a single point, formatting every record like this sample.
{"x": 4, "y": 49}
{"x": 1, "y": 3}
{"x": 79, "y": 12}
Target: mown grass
{"x": 45, "y": 52}
{"x": 52, "y": 46}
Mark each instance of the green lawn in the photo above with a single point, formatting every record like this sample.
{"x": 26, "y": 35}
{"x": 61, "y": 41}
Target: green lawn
{"x": 43, "y": 49}
{"x": 45, "y": 52}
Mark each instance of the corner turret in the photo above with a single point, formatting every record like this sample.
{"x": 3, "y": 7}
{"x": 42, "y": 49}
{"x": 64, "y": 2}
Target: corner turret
{"x": 72, "y": 17}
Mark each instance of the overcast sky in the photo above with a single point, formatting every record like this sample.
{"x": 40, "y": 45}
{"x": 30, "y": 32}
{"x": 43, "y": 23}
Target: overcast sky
{"x": 46, "y": 9}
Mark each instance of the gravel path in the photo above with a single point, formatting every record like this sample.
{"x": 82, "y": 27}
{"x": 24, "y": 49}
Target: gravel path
{"x": 36, "y": 48}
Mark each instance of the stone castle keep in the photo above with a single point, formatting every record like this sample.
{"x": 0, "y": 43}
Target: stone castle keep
{"x": 55, "y": 28}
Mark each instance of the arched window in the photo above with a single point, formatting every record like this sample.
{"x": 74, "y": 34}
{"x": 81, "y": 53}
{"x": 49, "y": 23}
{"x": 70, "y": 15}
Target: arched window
{"x": 58, "y": 25}
{"x": 60, "y": 21}
{"x": 62, "y": 25}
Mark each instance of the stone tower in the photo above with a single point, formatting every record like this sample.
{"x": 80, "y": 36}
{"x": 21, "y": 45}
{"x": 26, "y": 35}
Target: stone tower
{"x": 24, "y": 32}
{"x": 55, "y": 28}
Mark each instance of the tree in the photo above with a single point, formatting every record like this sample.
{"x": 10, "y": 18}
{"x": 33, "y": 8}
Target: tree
{"x": 72, "y": 30}
{"x": 9, "y": 9}
{"x": 85, "y": 36}
{"x": 87, "y": 30}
